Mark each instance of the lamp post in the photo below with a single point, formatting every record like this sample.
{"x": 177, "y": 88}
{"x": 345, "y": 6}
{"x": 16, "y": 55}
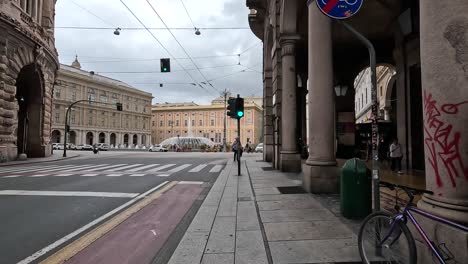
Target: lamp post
{"x": 67, "y": 126}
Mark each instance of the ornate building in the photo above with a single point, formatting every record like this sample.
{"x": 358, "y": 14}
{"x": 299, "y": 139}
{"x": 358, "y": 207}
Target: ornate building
{"x": 190, "y": 119}
{"x": 99, "y": 122}
{"x": 28, "y": 65}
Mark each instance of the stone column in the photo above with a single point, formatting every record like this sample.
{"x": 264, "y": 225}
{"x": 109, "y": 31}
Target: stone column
{"x": 290, "y": 159}
{"x": 267, "y": 116}
{"x": 320, "y": 171}
{"x": 444, "y": 67}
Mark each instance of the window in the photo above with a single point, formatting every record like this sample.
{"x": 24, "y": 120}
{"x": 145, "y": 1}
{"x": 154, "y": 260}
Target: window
{"x": 72, "y": 118}
{"x": 57, "y": 117}
{"x": 57, "y": 91}
{"x": 212, "y": 122}
{"x": 185, "y": 122}
{"x": 193, "y": 122}
{"x": 200, "y": 123}
{"x": 161, "y": 123}
{"x": 90, "y": 121}
{"x": 136, "y": 108}
{"x": 153, "y": 123}
{"x": 103, "y": 98}
{"x": 113, "y": 123}
{"x": 103, "y": 122}
{"x": 72, "y": 95}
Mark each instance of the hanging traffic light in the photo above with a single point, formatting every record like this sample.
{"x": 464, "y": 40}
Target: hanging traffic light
{"x": 165, "y": 65}
{"x": 239, "y": 107}
{"x": 231, "y": 108}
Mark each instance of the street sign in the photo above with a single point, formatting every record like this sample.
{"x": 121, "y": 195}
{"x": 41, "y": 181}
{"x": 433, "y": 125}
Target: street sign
{"x": 339, "y": 9}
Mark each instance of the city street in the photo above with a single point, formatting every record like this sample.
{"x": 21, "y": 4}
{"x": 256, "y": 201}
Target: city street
{"x": 48, "y": 205}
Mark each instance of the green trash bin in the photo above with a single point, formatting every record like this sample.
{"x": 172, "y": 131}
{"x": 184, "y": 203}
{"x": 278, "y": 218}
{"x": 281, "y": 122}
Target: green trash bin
{"x": 355, "y": 189}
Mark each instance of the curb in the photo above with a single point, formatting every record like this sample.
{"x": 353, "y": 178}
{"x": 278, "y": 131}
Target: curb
{"x": 18, "y": 163}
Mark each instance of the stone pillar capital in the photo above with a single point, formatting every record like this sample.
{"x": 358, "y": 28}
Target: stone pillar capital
{"x": 288, "y": 44}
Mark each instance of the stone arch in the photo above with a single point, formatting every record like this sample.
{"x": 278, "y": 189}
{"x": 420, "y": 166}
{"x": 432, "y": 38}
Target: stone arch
{"x": 126, "y": 139}
{"x": 135, "y": 140}
{"x": 89, "y": 138}
{"x": 113, "y": 139}
{"x": 102, "y": 137}
{"x": 72, "y": 137}
{"x": 56, "y": 136}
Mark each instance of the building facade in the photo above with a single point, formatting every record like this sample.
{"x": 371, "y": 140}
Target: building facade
{"x": 99, "y": 121}
{"x": 190, "y": 119}
{"x": 28, "y": 65}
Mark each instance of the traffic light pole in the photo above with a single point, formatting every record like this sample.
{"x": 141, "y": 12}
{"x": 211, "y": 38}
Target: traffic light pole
{"x": 239, "y": 150}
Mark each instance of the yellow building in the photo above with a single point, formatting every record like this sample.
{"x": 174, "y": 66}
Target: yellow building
{"x": 190, "y": 119}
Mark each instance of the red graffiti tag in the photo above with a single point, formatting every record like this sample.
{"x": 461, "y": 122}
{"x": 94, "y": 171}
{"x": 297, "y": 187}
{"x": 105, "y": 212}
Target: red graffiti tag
{"x": 442, "y": 141}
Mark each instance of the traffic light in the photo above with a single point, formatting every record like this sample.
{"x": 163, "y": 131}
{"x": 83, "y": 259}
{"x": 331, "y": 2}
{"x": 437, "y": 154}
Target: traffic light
{"x": 231, "y": 108}
{"x": 165, "y": 65}
{"x": 119, "y": 106}
{"x": 239, "y": 107}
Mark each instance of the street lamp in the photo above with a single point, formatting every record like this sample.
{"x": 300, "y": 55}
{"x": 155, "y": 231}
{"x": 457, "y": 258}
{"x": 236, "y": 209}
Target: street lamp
{"x": 117, "y": 31}
{"x": 341, "y": 90}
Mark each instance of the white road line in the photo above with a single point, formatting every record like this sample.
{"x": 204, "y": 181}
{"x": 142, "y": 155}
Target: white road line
{"x": 89, "y": 175}
{"x": 59, "y": 193}
{"x": 114, "y": 175}
{"x": 163, "y": 175}
{"x": 125, "y": 167}
{"x": 217, "y": 168}
{"x": 137, "y": 175}
{"x": 63, "y": 175}
{"x": 26, "y": 169}
{"x": 11, "y": 176}
{"x": 58, "y": 169}
{"x": 198, "y": 168}
{"x": 181, "y": 167}
{"x": 64, "y": 239}
{"x": 38, "y": 175}
{"x": 107, "y": 167}
{"x": 190, "y": 182}
{"x": 143, "y": 167}
{"x": 88, "y": 167}
{"x": 161, "y": 168}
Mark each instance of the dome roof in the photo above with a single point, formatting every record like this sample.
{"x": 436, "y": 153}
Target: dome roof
{"x": 76, "y": 63}
{"x": 188, "y": 141}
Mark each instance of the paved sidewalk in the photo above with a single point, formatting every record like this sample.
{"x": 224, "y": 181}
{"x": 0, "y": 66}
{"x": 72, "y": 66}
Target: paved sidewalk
{"x": 54, "y": 157}
{"x": 247, "y": 220}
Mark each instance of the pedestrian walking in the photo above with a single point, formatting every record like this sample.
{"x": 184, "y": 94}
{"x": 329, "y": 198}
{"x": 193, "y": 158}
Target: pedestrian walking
{"x": 237, "y": 149}
{"x": 396, "y": 156}
{"x": 95, "y": 149}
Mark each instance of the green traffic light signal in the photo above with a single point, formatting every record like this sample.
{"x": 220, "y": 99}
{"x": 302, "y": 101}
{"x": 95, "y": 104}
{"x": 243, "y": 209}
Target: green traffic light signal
{"x": 240, "y": 113}
{"x": 165, "y": 69}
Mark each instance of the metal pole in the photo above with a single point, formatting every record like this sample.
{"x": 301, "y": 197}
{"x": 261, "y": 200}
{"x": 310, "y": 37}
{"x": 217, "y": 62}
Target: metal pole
{"x": 239, "y": 149}
{"x": 65, "y": 136}
{"x": 224, "y": 135}
{"x": 375, "y": 126}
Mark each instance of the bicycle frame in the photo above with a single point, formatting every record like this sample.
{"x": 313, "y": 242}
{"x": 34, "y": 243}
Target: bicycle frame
{"x": 401, "y": 217}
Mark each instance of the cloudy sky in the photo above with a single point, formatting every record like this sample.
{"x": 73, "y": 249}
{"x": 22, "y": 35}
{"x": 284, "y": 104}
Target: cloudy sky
{"x": 133, "y": 56}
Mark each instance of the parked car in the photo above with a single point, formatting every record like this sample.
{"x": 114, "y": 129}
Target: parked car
{"x": 158, "y": 148}
{"x": 71, "y": 146}
{"x": 55, "y": 145}
{"x": 259, "y": 148}
{"x": 103, "y": 146}
{"x": 84, "y": 147}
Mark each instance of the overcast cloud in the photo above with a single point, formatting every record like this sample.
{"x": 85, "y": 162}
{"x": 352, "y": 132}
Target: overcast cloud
{"x": 103, "y": 52}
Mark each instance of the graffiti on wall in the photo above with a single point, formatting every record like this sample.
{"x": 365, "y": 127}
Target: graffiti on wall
{"x": 443, "y": 141}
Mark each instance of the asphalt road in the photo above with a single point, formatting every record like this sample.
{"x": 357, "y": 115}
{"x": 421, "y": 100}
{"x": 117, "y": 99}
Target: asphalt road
{"x": 43, "y": 203}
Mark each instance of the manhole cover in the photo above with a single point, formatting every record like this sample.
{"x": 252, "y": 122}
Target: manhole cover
{"x": 267, "y": 168}
{"x": 291, "y": 189}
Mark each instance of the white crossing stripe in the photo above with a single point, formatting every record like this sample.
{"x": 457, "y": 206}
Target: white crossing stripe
{"x": 84, "y": 168}
{"x": 198, "y": 168}
{"x": 63, "y": 175}
{"x": 107, "y": 167}
{"x": 181, "y": 167}
{"x": 162, "y": 167}
{"x": 17, "y": 169}
{"x": 190, "y": 182}
{"x": 58, "y": 193}
{"x": 143, "y": 167}
{"x": 89, "y": 175}
{"x": 163, "y": 175}
{"x": 66, "y": 167}
{"x": 125, "y": 167}
{"x": 33, "y": 169}
{"x": 216, "y": 168}
{"x": 137, "y": 175}
{"x": 38, "y": 175}
{"x": 114, "y": 175}
{"x": 11, "y": 176}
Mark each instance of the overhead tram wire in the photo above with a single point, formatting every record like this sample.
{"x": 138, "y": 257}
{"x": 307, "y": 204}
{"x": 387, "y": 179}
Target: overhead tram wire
{"x": 186, "y": 11}
{"x": 168, "y": 52}
{"x": 89, "y": 12}
{"x": 150, "y": 28}
{"x": 211, "y": 67}
{"x": 185, "y": 51}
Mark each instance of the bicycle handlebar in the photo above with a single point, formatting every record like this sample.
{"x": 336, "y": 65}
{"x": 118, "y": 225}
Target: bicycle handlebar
{"x": 408, "y": 190}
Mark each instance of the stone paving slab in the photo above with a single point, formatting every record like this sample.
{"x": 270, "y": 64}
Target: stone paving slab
{"x": 306, "y": 230}
{"x": 261, "y": 191}
{"x": 225, "y": 258}
{"x": 228, "y": 206}
{"x": 296, "y": 215}
{"x": 203, "y": 220}
{"x": 289, "y": 204}
{"x": 190, "y": 249}
{"x": 247, "y": 216}
{"x": 223, "y": 236}
{"x": 279, "y": 197}
{"x": 315, "y": 251}
{"x": 250, "y": 248}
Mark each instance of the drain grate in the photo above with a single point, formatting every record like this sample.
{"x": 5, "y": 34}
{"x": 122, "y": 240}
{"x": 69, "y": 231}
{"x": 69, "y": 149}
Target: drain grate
{"x": 291, "y": 190}
{"x": 267, "y": 168}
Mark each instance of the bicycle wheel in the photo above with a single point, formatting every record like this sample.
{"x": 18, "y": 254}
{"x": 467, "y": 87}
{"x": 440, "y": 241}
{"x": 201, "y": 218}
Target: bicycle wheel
{"x": 398, "y": 248}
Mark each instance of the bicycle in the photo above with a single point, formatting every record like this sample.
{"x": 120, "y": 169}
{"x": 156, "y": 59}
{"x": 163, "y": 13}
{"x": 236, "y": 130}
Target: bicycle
{"x": 386, "y": 243}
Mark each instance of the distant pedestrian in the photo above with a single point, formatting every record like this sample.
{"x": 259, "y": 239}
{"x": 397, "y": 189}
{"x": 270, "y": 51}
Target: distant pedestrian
{"x": 237, "y": 149}
{"x": 396, "y": 156}
{"x": 95, "y": 149}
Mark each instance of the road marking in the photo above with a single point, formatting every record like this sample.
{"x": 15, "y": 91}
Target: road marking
{"x": 58, "y": 169}
{"x": 162, "y": 167}
{"x": 11, "y": 176}
{"x": 63, "y": 175}
{"x": 114, "y": 175}
{"x": 125, "y": 167}
{"x": 107, "y": 167}
{"x": 38, "y": 175}
{"x": 217, "y": 168}
{"x": 181, "y": 167}
{"x": 35, "y": 169}
{"x": 89, "y": 175}
{"x": 137, "y": 175}
{"x": 190, "y": 182}
{"x": 143, "y": 167}
{"x": 87, "y": 167}
{"x": 28, "y": 168}
{"x": 163, "y": 175}
{"x": 72, "y": 249}
{"x": 59, "y": 193}
{"x": 198, "y": 168}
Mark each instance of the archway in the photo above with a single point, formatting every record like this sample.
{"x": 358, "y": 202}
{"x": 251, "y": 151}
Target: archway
{"x": 29, "y": 94}
{"x": 126, "y": 140}
{"x": 113, "y": 139}
{"x": 135, "y": 139}
{"x": 102, "y": 137}
{"x": 72, "y": 137}
{"x": 56, "y": 136}
{"x": 89, "y": 138}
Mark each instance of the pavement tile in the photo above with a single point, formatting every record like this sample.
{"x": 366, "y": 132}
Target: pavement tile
{"x": 250, "y": 248}
{"x": 190, "y": 248}
{"x": 223, "y": 258}
{"x": 307, "y": 230}
{"x": 213, "y": 198}
{"x": 247, "y": 216}
{"x": 289, "y": 204}
{"x": 315, "y": 251}
{"x": 228, "y": 206}
{"x": 261, "y": 191}
{"x": 222, "y": 236}
{"x": 296, "y": 215}
{"x": 278, "y": 197}
{"x": 203, "y": 221}
{"x": 230, "y": 191}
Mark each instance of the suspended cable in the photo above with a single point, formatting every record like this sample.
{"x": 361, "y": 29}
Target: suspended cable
{"x": 250, "y": 47}
{"x": 203, "y": 68}
{"x": 186, "y": 11}
{"x": 150, "y": 28}
{"x": 96, "y": 16}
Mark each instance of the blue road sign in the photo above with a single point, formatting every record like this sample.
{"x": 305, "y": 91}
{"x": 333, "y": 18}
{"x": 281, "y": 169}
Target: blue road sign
{"x": 339, "y": 9}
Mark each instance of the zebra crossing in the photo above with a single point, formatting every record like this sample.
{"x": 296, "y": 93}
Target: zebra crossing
{"x": 107, "y": 170}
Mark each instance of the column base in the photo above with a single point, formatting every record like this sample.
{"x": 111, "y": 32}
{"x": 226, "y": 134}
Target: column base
{"x": 453, "y": 210}
{"x": 320, "y": 179}
{"x": 290, "y": 162}
{"x": 268, "y": 153}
